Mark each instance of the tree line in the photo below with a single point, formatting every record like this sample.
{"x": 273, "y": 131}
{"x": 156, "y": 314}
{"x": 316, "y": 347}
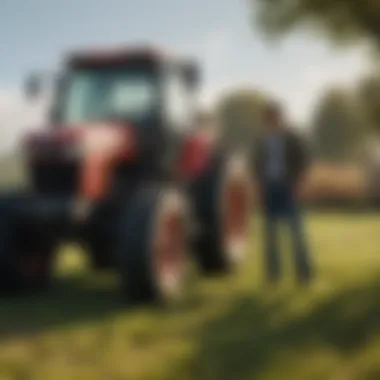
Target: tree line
{"x": 344, "y": 127}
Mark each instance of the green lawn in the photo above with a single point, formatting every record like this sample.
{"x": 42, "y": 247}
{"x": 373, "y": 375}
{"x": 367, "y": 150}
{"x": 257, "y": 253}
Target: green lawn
{"x": 232, "y": 328}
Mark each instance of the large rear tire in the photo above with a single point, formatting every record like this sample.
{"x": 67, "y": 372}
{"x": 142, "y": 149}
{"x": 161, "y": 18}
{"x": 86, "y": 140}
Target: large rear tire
{"x": 222, "y": 200}
{"x": 152, "y": 252}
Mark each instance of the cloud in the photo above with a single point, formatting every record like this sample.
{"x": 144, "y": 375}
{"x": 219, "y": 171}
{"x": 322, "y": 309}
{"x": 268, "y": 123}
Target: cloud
{"x": 212, "y": 51}
{"x": 18, "y": 116}
{"x": 341, "y": 70}
{"x": 229, "y": 61}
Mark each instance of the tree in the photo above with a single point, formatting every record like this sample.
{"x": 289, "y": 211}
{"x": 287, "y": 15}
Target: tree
{"x": 339, "y": 128}
{"x": 240, "y": 115}
{"x": 204, "y": 118}
{"x": 343, "y": 20}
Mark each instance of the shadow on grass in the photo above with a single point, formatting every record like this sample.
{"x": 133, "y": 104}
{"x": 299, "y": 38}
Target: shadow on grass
{"x": 244, "y": 344}
{"x": 70, "y": 300}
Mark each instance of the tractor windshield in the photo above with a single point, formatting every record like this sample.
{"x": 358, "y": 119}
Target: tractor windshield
{"x": 99, "y": 93}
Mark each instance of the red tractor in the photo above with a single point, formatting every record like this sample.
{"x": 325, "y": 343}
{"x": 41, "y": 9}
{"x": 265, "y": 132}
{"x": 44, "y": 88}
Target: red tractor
{"x": 123, "y": 168}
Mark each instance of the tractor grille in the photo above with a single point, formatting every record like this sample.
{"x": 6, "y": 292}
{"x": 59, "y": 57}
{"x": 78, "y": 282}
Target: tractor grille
{"x": 56, "y": 178}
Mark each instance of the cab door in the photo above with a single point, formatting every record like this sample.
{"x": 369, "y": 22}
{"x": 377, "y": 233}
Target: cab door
{"x": 178, "y": 111}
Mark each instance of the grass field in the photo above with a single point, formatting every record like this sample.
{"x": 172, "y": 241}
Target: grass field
{"x": 228, "y": 329}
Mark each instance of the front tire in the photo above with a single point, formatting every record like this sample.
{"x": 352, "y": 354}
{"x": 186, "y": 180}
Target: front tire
{"x": 222, "y": 199}
{"x": 152, "y": 250}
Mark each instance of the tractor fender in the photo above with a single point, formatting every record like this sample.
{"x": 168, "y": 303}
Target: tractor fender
{"x": 196, "y": 154}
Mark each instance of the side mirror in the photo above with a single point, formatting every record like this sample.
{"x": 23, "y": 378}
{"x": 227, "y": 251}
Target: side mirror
{"x": 37, "y": 84}
{"x": 33, "y": 86}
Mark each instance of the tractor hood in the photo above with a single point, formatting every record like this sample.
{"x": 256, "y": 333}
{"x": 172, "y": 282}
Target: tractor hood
{"x": 81, "y": 141}
{"x": 96, "y": 147}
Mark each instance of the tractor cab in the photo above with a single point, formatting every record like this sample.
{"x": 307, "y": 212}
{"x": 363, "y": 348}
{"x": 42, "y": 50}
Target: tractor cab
{"x": 143, "y": 87}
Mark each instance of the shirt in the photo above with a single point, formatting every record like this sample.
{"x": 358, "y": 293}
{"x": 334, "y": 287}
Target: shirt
{"x": 275, "y": 167}
{"x": 292, "y": 158}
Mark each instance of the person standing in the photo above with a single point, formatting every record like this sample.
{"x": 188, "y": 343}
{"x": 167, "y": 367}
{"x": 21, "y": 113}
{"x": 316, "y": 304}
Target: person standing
{"x": 281, "y": 161}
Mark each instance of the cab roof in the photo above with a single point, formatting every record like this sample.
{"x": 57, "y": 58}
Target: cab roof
{"x": 120, "y": 55}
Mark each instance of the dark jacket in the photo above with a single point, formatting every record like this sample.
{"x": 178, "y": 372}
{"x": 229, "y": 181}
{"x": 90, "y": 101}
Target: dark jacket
{"x": 296, "y": 158}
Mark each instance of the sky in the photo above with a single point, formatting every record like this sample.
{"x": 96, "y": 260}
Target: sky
{"x": 34, "y": 34}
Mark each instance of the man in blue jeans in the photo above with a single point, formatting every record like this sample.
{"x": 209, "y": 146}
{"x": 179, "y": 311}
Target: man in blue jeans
{"x": 281, "y": 161}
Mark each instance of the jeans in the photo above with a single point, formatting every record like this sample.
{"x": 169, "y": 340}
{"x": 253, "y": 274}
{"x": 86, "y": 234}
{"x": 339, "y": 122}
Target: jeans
{"x": 279, "y": 203}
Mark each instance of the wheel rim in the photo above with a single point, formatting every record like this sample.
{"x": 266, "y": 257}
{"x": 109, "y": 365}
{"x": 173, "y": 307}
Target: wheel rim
{"x": 236, "y": 211}
{"x": 170, "y": 248}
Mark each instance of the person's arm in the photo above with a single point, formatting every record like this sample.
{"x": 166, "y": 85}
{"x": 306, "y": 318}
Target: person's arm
{"x": 303, "y": 153}
{"x": 303, "y": 159}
